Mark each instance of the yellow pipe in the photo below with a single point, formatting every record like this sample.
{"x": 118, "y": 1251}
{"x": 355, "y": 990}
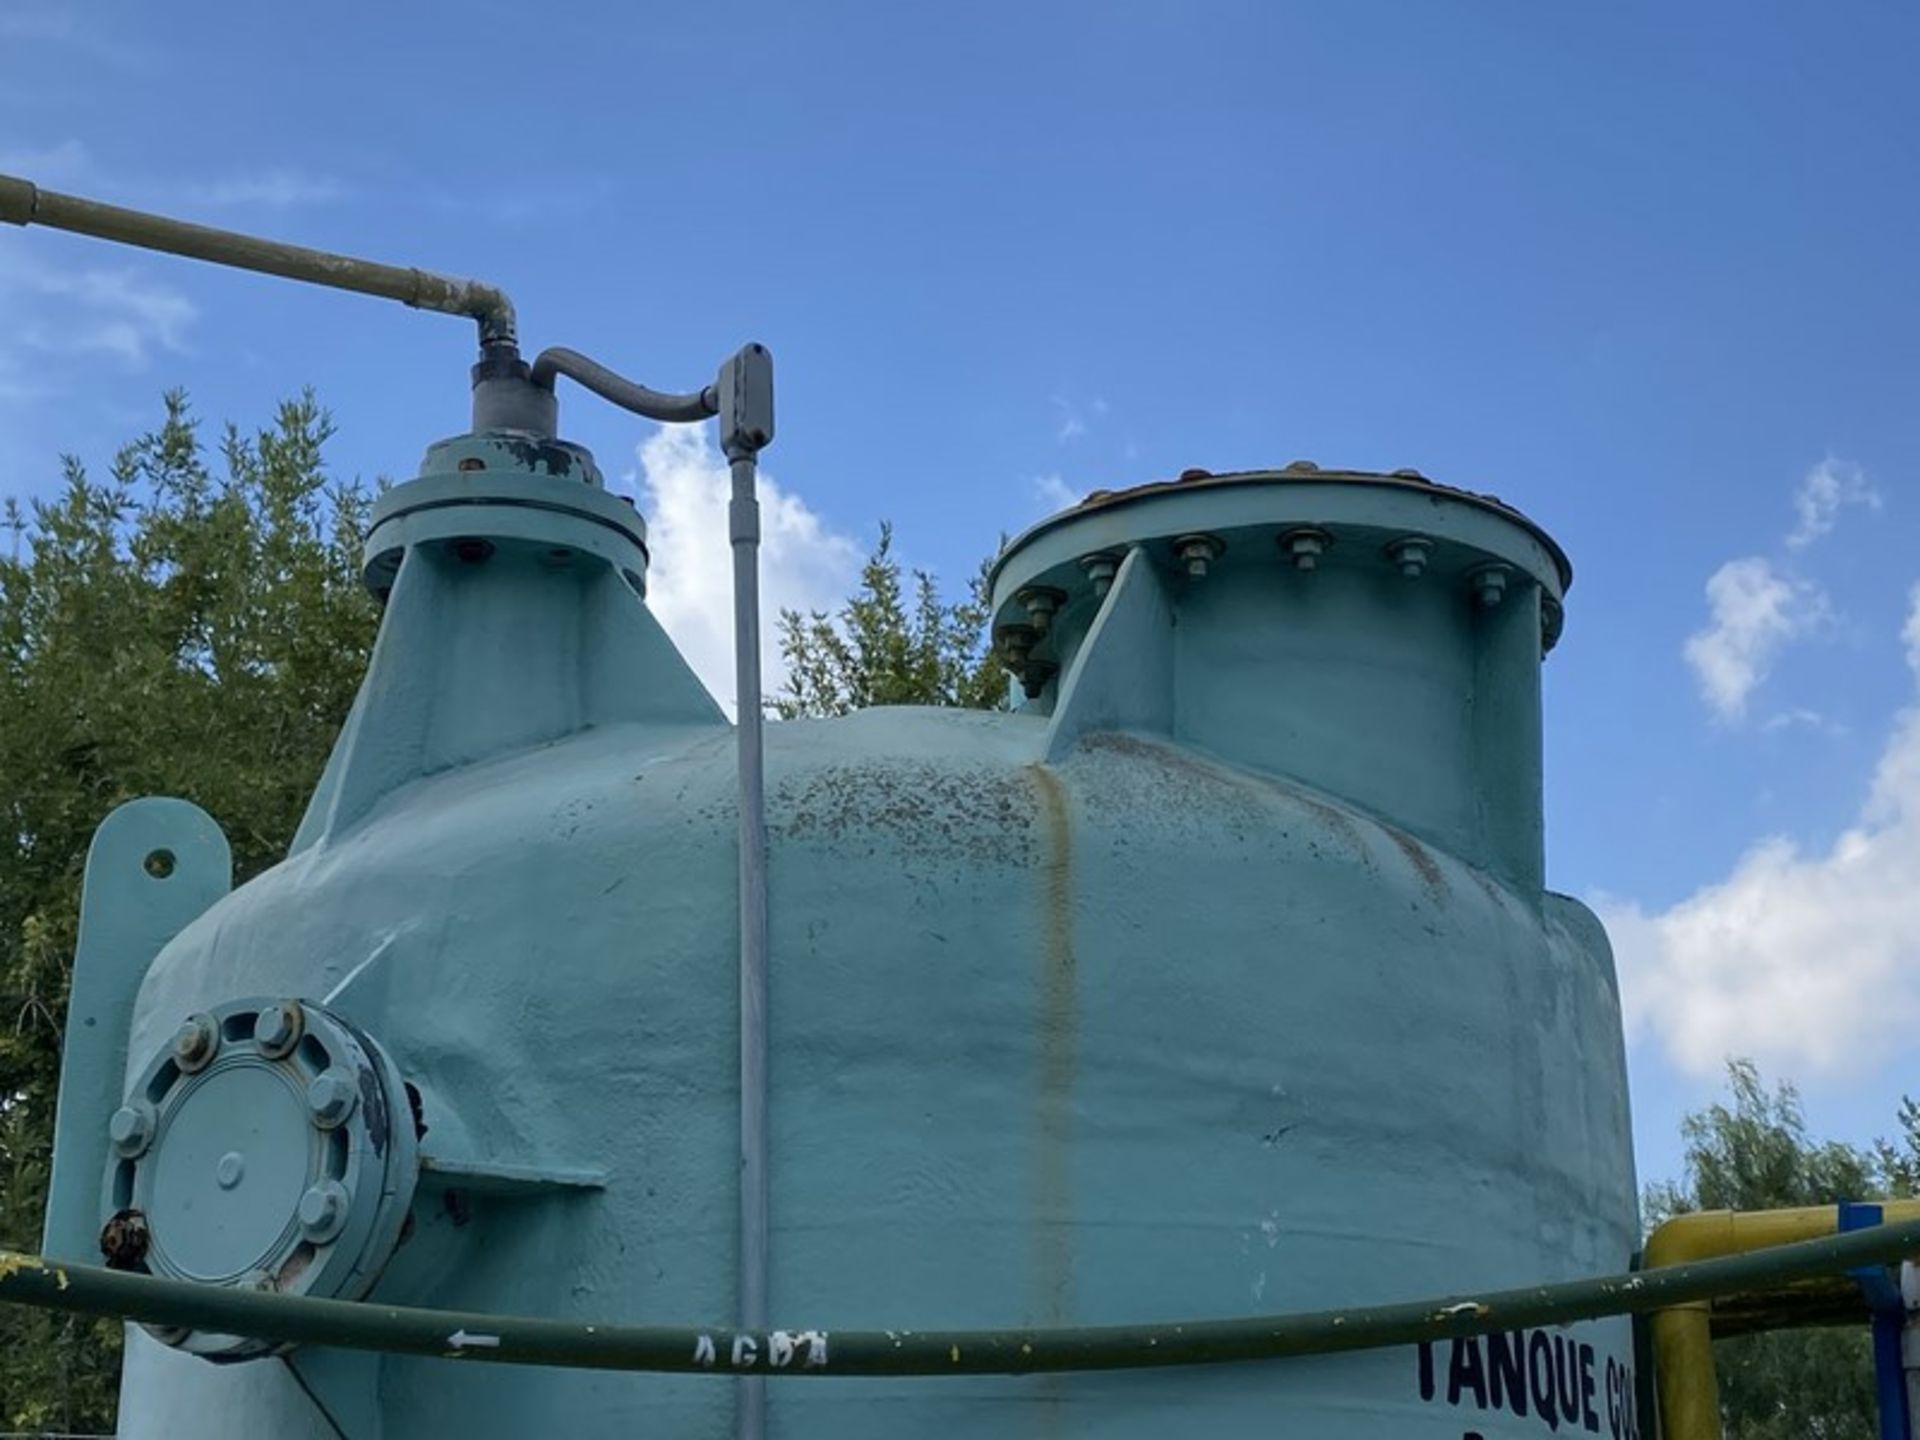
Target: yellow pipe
{"x": 1683, "y": 1336}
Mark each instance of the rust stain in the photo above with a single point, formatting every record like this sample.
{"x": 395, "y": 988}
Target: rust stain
{"x": 1058, "y": 1040}
{"x": 1418, "y": 857}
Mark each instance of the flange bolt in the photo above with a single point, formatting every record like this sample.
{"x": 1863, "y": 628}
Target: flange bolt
{"x": 1489, "y": 585}
{"x": 1197, "y": 552}
{"x": 1100, "y": 568}
{"x": 131, "y": 1129}
{"x": 1411, "y": 555}
{"x": 1305, "y": 546}
{"x": 195, "y": 1043}
{"x": 1042, "y": 603}
{"x": 323, "y": 1211}
{"x": 331, "y": 1096}
{"x": 277, "y": 1028}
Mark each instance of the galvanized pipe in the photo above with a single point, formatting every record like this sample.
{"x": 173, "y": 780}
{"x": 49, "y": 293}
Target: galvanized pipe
{"x": 743, "y": 529}
{"x": 24, "y": 203}
{"x": 515, "y": 1340}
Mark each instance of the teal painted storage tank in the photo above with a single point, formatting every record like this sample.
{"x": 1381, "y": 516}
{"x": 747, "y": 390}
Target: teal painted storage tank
{"x": 1216, "y": 978}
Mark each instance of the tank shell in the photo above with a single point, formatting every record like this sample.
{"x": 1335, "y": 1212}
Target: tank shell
{"x": 1138, "y": 1035}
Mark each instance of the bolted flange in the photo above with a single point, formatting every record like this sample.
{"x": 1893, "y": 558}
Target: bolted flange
{"x": 277, "y": 1028}
{"x": 1411, "y": 554}
{"x": 1197, "y": 552}
{"x": 286, "y": 1162}
{"x": 131, "y": 1129}
{"x": 1305, "y": 545}
{"x": 331, "y": 1097}
{"x": 195, "y": 1043}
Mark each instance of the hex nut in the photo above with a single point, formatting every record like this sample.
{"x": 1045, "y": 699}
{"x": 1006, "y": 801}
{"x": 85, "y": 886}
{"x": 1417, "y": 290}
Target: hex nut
{"x": 1305, "y": 546}
{"x": 331, "y": 1097}
{"x": 1489, "y": 585}
{"x": 195, "y": 1043}
{"x": 1100, "y": 567}
{"x": 1197, "y": 552}
{"x": 131, "y": 1129}
{"x": 277, "y": 1028}
{"x": 1411, "y": 555}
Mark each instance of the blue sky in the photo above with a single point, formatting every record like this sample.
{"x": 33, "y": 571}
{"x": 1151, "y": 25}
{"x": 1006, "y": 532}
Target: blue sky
{"x": 1645, "y": 270}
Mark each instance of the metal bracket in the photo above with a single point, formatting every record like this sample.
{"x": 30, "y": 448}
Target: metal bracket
{"x": 154, "y": 866}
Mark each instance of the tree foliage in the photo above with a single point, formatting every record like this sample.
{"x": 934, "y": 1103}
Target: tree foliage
{"x": 891, "y": 644}
{"x": 166, "y": 630}
{"x": 1753, "y": 1152}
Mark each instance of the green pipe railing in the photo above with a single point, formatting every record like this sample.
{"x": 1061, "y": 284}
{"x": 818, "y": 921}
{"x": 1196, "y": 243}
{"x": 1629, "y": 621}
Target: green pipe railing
{"x": 516, "y": 1340}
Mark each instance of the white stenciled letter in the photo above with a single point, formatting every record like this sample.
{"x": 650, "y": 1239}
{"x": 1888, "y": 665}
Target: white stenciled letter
{"x": 779, "y": 1349}
{"x": 816, "y": 1349}
{"x": 746, "y": 1352}
{"x": 703, "y": 1351}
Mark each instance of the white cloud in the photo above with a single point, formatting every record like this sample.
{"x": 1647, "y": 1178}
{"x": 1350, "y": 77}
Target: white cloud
{"x": 1825, "y": 490}
{"x": 271, "y": 189}
{"x": 61, "y": 164}
{"x": 804, "y": 564}
{"x": 114, "y": 311}
{"x": 1807, "y": 962}
{"x": 1754, "y": 612}
{"x": 1073, "y": 418}
{"x": 1054, "y": 494}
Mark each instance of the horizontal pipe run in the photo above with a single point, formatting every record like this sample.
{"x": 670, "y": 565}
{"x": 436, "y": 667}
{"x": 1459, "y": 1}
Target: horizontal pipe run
{"x": 24, "y": 203}
{"x": 90, "y": 1290}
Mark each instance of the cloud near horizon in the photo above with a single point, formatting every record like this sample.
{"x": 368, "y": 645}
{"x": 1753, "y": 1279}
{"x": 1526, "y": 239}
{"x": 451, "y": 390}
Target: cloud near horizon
{"x": 1805, "y": 960}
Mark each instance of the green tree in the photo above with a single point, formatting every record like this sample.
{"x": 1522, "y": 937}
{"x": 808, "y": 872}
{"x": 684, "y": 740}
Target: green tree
{"x": 172, "y": 631}
{"x": 886, "y": 649}
{"x": 1753, "y": 1152}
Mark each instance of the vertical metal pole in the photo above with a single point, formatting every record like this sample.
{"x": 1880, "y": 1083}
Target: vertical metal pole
{"x": 743, "y": 528}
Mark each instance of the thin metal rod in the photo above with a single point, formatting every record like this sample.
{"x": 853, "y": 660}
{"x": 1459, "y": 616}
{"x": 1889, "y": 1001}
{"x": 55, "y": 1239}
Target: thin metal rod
{"x": 514, "y": 1340}
{"x": 24, "y": 203}
{"x": 743, "y": 529}
{"x": 654, "y": 404}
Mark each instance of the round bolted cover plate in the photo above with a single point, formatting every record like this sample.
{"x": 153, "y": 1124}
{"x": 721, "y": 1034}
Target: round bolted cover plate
{"x": 236, "y": 1146}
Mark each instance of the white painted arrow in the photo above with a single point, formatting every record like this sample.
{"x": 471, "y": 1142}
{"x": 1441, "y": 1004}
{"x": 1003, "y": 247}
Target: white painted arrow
{"x": 462, "y": 1340}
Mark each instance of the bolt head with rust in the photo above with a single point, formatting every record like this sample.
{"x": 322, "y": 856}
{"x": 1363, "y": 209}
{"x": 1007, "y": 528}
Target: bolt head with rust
{"x": 124, "y": 1240}
{"x": 331, "y": 1097}
{"x": 131, "y": 1129}
{"x": 195, "y": 1043}
{"x": 277, "y": 1028}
